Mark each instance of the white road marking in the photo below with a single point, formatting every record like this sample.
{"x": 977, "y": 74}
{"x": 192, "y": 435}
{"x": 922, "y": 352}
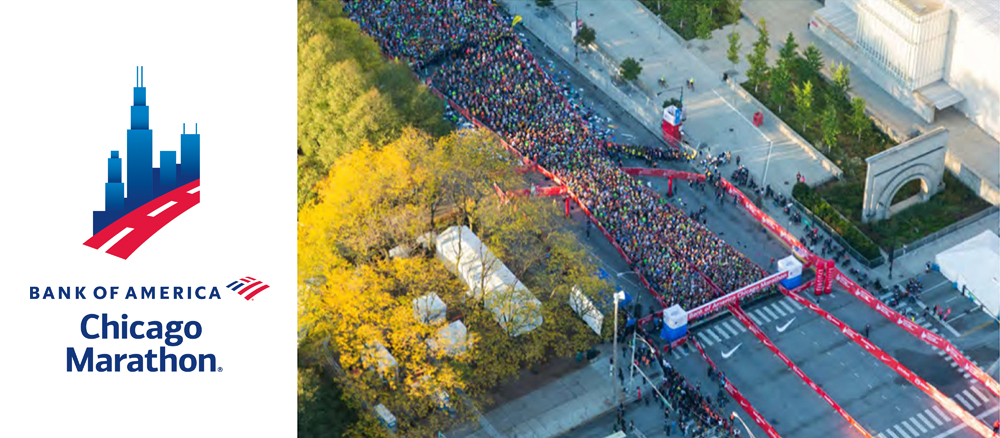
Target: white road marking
{"x": 714, "y": 336}
{"x": 755, "y": 319}
{"x": 941, "y": 413}
{"x": 722, "y": 333}
{"x": 769, "y": 313}
{"x": 726, "y": 326}
{"x": 782, "y": 328}
{"x": 121, "y": 234}
{"x": 762, "y": 316}
{"x": 674, "y": 354}
{"x": 781, "y": 313}
{"x": 972, "y": 399}
{"x": 921, "y": 416}
{"x": 900, "y": 431}
{"x": 933, "y": 417}
{"x": 916, "y": 423}
{"x": 786, "y": 306}
{"x": 704, "y": 339}
{"x": 194, "y": 190}
{"x": 160, "y": 210}
{"x": 725, "y": 355}
{"x": 961, "y": 400}
{"x": 963, "y": 425}
{"x": 795, "y": 304}
{"x": 891, "y": 435}
{"x": 983, "y": 397}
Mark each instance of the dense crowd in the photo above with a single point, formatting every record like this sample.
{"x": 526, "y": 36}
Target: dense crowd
{"x": 485, "y": 68}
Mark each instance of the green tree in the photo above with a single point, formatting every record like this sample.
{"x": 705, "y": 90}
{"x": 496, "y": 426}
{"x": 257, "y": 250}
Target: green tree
{"x": 859, "y": 120}
{"x": 804, "y": 103}
{"x": 586, "y": 36}
{"x": 705, "y": 24}
{"x": 788, "y": 54}
{"x": 543, "y": 3}
{"x": 733, "y": 13}
{"x": 733, "y": 52}
{"x": 781, "y": 82}
{"x": 680, "y": 15}
{"x": 841, "y": 78}
{"x": 830, "y": 126}
{"x": 630, "y": 69}
{"x": 757, "y": 74}
{"x": 812, "y": 64}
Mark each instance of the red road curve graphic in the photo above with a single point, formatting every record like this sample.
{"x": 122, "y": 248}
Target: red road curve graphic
{"x": 143, "y": 222}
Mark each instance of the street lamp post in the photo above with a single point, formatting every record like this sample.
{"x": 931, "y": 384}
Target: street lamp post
{"x": 614, "y": 350}
{"x": 737, "y": 416}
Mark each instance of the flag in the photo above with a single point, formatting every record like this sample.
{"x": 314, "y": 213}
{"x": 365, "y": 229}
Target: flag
{"x": 517, "y": 19}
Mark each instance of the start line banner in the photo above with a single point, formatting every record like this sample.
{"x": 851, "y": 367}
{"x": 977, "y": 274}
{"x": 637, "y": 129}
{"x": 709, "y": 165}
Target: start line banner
{"x": 891, "y": 362}
{"x": 739, "y": 314}
{"x": 735, "y": 296}
{"x": 736, "y": 395}
{"x": 917, "y": 331}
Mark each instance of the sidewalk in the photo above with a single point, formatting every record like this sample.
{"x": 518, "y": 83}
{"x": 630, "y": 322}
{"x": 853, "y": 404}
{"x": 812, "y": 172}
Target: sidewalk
{"x": 553, "y": 409}
{"x": 717, "y": 116}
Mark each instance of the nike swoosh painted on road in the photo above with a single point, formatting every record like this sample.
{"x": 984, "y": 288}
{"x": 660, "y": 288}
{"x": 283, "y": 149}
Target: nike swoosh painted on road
{"x": 781, "y": 328}
{"x": 146, "y": 220}
{"x": 725, "y": 355}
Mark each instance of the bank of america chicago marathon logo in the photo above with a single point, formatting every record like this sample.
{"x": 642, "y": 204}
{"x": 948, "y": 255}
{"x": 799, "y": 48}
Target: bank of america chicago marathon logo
{"x": 156, "y": 196}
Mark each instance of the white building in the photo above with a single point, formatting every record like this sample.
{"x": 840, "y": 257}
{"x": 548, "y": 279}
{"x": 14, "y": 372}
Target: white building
{"x": 928, "y": 54}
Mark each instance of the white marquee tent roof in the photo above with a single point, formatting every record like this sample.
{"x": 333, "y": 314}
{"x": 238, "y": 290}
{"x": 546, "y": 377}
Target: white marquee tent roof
{"x": 972, "y": 264}
{"x": 429, "y": 309}
{"x": 487, "y": 278}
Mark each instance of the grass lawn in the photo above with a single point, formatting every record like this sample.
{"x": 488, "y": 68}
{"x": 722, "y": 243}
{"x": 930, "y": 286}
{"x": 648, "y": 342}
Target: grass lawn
{"x": 682, "y": 15}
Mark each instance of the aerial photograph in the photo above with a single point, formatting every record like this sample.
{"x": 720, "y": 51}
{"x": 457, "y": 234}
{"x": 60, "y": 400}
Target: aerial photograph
{"x": 648, "y": 218}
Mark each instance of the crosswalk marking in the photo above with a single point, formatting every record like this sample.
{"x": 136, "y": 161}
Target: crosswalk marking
{"x": 930, "y": 426}
{"x": 917, "y": 423}
{"x": 714, "y": 336}
{"x": 941, "y": 413}
{"x": 880, "y": 436}
{"x": 784, "y": 304}
{"x": 761, "y": 315}
{"x": 962, "y": 401}
{"x": 769, "y": 312}
{"x": 971, "y": 398}
{"x": 933, "y": 417}
{"x": 891, "y": 435}
{"x": 778, "y": 309}
{"x": 985, "y": 399}
{"x": 725, "y": 325}
{"x": 705, "y": 339}
{"x": 793, "y": 303}
{"x": 738, "y": 326}
{"x": 901, "y": 433}
{"x": 909, "y": 428}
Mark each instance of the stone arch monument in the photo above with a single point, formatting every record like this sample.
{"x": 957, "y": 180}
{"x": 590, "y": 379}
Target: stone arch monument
{"x": 921, "y": 158}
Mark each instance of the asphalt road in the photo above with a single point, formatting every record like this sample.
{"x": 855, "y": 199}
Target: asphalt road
{"x": 877, "y": 397}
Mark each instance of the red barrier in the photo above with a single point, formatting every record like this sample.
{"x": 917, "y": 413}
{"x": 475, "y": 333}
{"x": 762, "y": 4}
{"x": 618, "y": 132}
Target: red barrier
{"x": 798, "y": 249}
{"x": 738, "y": 313}
{"x": 831, "y": 268}
{"x": 820, "y": 278}
{"x": 539, "y": 192}
{"x": 663, "y": 173}
{"x": 917, "y": 331}
{"x": 736, "y": 296}
{"x": 891, "y": 362}
{"x": 735, "y": 394}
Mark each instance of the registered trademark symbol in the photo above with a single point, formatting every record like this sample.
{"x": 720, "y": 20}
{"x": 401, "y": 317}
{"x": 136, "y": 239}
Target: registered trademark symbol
{"x": 220, "y": 369}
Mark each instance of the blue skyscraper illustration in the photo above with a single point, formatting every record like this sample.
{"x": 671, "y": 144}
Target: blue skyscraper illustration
{"x": 145, "y": 182}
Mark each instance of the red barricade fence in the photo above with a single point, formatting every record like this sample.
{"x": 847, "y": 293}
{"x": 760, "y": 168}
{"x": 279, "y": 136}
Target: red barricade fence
{"x": 917, "y": 331}
{"x": 738, "y": 313}
{"x": 891, "y": 362}
{"x": 736, "y": 395}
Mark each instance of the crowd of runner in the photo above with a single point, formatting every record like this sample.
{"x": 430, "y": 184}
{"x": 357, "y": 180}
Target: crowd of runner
{"x": 485, "y": 68}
